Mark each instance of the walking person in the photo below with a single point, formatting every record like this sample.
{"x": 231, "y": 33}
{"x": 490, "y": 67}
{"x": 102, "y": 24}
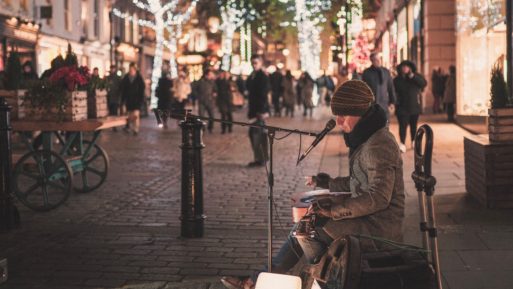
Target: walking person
{"x": 438, "y": 79}
{"x": 181, "y": 90}
{"x": 307, "y": 87}
{"x": 258, "y": 109}
{"x": 205, "y": 91}
{"x": 113, "y": 91}
{"x": 164, "y": 96}
{"x": 132, "y": 97}
{"x": 289, "y": 94}
{"x": 408, "y": 86}
{"x": 379, "y": 80}
{"x": 450, "y": 93}
{"x": 277, "y": 91}
{"x": 224, "y": 100}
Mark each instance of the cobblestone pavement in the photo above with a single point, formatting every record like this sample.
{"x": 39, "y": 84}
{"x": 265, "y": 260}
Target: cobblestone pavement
{"x": 126, "y": 233}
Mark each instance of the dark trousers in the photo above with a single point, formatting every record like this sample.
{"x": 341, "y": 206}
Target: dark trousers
{"x": 226, "y": 116}
{"x": 404, "y": 121}
{"x": 210, "y": 112}
{"x": 258, "y": 139}
{"x": 276, "y": 104}
{"x": 449, "y": 107}
{"x": 113, "y": 109}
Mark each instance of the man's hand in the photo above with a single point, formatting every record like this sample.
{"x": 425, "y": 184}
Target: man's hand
{"x": 310, "y": 181}
{"x": 391, "y": 108}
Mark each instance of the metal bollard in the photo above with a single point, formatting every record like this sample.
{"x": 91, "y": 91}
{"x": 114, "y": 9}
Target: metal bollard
{"x": 9, "y": 217}
{"x": 192, "y": 217}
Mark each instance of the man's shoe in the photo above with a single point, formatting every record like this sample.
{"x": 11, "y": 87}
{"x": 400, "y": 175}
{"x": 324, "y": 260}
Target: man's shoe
{"x": 402, "y": 147}
{"x": 237, "y": 283}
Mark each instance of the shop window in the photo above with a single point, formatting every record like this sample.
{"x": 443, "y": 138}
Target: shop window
{"x": 67, "y": 15}
{"x": 480, "y": 43}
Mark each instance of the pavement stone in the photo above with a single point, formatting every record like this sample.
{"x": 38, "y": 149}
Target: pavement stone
{"x": 126, "y": 233}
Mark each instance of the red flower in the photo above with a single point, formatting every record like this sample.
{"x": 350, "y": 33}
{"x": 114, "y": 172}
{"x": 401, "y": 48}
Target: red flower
{"x": 70, "y": 77}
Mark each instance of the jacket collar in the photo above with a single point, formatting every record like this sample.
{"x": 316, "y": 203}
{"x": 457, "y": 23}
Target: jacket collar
{"x": 374, "y": 120}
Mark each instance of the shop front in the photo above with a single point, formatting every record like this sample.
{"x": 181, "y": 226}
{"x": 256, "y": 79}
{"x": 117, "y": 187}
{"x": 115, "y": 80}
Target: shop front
{"x": 50, "y": 47}
{"x": 481, "y": 44}
{"x": 20, "y": 36}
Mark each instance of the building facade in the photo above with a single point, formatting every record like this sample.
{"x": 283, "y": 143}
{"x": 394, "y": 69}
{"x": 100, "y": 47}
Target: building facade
{"x": 421, "y": 31}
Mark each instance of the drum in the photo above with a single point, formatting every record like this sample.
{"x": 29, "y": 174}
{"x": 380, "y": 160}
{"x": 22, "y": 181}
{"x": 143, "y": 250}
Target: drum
{"x": 302, "y": 201}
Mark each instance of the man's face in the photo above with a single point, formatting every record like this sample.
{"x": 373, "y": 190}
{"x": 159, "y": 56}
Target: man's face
{"x": 347, "y": 122}
{"x": 405, "y": 69}
{"x": 256, "y": 63}
{"x": 113, "y": 70}
{"x": 376, "y": 60}
{"x": 132, "y": 71}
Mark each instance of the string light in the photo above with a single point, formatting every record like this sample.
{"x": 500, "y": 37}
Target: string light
{"x": 160, "y": 12}
{"x": 233, "y": 14}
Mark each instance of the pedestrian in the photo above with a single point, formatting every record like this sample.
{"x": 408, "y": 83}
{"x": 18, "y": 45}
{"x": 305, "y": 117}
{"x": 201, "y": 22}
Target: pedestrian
{"x": 164, "y": 96}
{"x": 276, "y": 91}
{"x": 258, "y": 109}
{"x": 408, "y": 85}
{"x": 379, "y": 80}
{"x": 375, "y": 206}
{"x": 132, "y": 97}
{"x": 450, "y": 93}
{"x": 322, "y": 86}
{"x": 224, "y": 100}
{"x": 113, "y": 91}
{"x": 307, "y": 87}
{"x": 289, "y": 95}
{"x": 181, "y": 90}
{"x": 438, "y": 79}
{"x": 205, "y": 91}
{"x": 28, "y": 73}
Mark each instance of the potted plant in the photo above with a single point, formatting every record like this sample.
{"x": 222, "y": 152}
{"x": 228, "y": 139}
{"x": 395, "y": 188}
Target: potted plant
{"x": 97, "y": 106}
{"x": 500, "y": 120}
{"x": 61, "y": 94}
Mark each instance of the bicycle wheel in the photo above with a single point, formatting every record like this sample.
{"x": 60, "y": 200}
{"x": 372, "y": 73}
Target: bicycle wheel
{"x": 42, "y": 180}
{"x": 95, "y": 166}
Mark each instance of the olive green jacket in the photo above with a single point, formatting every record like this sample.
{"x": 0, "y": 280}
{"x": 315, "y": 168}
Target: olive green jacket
{"x": 376, "y": 205}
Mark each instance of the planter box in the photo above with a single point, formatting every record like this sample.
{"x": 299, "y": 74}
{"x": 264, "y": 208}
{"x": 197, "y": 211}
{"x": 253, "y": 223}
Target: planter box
{"x": 76, "y": 110}
{"x": 489, "y": 171}
{"x": 97, "y": 104}
{"x": 17, "y": 109}
{"x": 500, "y": 124}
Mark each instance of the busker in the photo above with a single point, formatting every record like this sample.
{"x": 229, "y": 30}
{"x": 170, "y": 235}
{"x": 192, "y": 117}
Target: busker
{"x": 376, "y": 205}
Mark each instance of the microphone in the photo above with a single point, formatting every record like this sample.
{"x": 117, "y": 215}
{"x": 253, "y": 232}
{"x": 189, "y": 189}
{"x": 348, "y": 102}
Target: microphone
{"x": 329, "y": 126}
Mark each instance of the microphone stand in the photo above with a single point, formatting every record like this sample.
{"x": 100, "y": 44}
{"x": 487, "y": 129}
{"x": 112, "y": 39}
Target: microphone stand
{"x": 271, "y": 132}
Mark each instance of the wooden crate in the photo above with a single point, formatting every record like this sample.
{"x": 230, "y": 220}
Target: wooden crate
{"x": 97, "y": 106}
{"x": 489, "y": 171}
{"x": 500, "y": 124}
{"x": 16, "y": 103}
{"x": 76, "y": 110}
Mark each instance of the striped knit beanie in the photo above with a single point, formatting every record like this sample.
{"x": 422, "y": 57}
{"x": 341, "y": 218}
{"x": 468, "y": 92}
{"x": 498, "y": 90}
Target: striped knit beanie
{"x": 353, "y": 97}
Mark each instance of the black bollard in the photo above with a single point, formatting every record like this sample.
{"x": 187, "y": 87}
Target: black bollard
{"x": 9, "y": 217}
{"x": 192, "y": 217}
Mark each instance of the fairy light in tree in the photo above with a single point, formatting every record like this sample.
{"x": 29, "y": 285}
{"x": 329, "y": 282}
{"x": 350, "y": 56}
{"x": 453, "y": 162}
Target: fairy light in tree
{"x": 233, "y": 14}
{"x": 160, "y": 12}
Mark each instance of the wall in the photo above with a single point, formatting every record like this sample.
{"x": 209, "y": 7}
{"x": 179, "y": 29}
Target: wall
{"x": 439, "y": 41}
